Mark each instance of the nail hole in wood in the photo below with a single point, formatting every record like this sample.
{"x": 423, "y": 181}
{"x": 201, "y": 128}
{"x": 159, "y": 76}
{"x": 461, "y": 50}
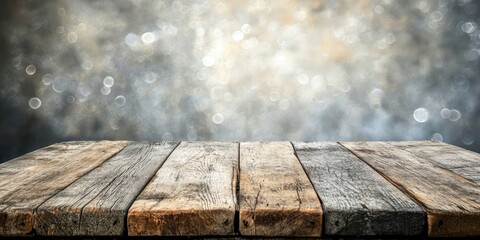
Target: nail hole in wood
{"x": 440, "y": 223}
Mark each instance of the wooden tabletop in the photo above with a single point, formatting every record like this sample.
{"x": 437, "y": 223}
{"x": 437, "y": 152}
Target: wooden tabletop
{"x": 231, "y": 189}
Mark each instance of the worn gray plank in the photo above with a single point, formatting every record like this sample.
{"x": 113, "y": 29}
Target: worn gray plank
{"x": 276, "y": 196}
{"x": 470, "y": 173}
{"x": 452, "y": 202}
{"x": 29, "y": 180}
{"x": 460, "y": 161}
{"x": 97, "y": 203}
{"x": 357, "y": 200}
{"x": 193, "y": 193}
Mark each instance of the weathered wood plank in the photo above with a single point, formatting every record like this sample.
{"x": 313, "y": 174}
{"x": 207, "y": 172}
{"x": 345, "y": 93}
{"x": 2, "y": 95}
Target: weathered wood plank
{"x": 357, "y": 200}
{"x": 97, "y": 203}
{"x": 276, "y": 196}
{"x": 193, "y": 193}
{"x": 44, "y": 173}
{"x": 470, "y": 173}
{"x": 452, "y": 202}
{"x": 460, "y": 161}
{"x": 21, "y": 170}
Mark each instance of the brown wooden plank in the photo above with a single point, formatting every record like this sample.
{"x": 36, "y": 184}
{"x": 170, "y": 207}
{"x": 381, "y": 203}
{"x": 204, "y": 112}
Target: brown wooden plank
{"x": 193, "y": 193}
{"x": 357, "y": 200}
{"x": 276, "y": 196}
{"x": 44, "y": 173}
{"x": 97, "y": 203}
{"x": 23, "y": 169}
{"x": 452, "y": 202}
{"x": 460, "y": 161}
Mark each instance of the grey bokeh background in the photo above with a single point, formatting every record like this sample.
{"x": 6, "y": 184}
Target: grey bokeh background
{"x": 238, "y": 70}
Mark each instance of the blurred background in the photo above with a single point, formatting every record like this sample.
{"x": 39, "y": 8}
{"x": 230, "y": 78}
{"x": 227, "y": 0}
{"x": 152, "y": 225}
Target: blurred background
{"x": 238, "y": 70}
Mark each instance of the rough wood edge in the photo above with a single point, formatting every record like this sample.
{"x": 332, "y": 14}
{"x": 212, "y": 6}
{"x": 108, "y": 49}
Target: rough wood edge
{"x": 20, "y": 222}
{"x": 159, "y": 219}
{"x": 311, "y": 221}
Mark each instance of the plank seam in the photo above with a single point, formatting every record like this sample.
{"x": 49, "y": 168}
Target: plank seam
{"x": 68, "y": 185}
{"x": 236, "y": 219}
{"x": 399, "y": 187}
{"x": 108, "y": 185}
{"x": 125, "y": 220}
{"x": 313, "y": 186}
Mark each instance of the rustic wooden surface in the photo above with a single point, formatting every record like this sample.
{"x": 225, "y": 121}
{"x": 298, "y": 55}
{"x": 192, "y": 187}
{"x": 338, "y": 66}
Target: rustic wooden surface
{"x": 97, "y": 203}
{"x": 26, "y": 182}
{"x": 458, "y": 160}
{"x": 356, "y": 199}
{"x": 193, "y": 193}
{"x": 235, "y": 190}
{"x": 452, "y": 202}
{"x": 276, "y": 196}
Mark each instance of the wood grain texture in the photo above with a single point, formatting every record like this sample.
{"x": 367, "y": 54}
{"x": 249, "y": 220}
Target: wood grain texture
{"x": 460, "y": 161}
{"x": 26, "y": 182}
{"x": 97, "y": 203}
{"x": 276, "y": 196}
{"x": 193, "y": 193}
{"x": 357, "y": 200}
{"x": 452, "y": 202}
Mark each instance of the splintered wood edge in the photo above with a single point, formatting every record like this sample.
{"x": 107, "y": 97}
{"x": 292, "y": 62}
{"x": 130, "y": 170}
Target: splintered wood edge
{"x": 21, "y": 223}
{"x": 42, "y": 228}
{"x": 176, "y": 223}
{"x": 307, "y": 221}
